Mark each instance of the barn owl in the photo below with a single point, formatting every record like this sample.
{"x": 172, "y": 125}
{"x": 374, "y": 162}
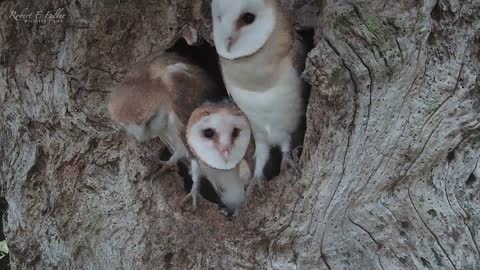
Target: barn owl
{"x": 156, "y": 98}
{"x": 262, "y": 58}
{"x": 218, "y": 135}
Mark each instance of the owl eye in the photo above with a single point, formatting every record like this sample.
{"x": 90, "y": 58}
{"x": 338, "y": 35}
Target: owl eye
{"x": 208, "y": 133}
{"x": 248, "y": 18}
{"x": 235, "y": 133}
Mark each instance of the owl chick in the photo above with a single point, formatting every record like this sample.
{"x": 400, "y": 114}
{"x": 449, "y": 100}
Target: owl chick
{"x": 262, "y": 58}
{"x": 156, "y": 98}
{"x": 218, "y": 135}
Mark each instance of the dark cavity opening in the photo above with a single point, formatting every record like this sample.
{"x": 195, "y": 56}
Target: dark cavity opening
{"x": 206, "y": 56}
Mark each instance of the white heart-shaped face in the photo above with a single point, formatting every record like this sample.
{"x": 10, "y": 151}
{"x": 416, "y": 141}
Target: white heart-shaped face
{"x": 241, "y": 27}
{"x": 220, "y": 139}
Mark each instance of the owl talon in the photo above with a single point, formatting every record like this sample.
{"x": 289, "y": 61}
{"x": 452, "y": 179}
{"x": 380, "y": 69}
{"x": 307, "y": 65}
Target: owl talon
{"x": 189, "y": 196}
{"x": 259, "y": 183}
{"x": 289, "y": 163}
{"x": 185, "y": 199}
{"x": 228, "y": 214}
{"x": 167, "y": 167}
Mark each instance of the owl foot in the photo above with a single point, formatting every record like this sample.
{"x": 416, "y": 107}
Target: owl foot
{"x": 229, "y": 214}
{"x": 258, "y": 183}
{"x": 289, "y": 163}
{"x": 194, "y": 197}
{"x": 167, "y": 167}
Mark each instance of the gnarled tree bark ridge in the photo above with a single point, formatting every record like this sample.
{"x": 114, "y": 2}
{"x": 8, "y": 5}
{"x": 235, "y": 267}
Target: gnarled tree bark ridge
{"x": 390, "y": 158}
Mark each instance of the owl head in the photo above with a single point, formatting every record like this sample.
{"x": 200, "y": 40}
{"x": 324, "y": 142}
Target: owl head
{"x": 242, "y": 27}
{"x": 218, "y": 134}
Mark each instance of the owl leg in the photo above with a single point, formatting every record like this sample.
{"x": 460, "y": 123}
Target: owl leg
{"x": 287, "y": 158}
{"x": 167, "y": 166}
{"x": 171, "y": 163}
{"x": 195, "y": 172}
{"x": 196, "y": 183}
{"x": 262, "y": 152}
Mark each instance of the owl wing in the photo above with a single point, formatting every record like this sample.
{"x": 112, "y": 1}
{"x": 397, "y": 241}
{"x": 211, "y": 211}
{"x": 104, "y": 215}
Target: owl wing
{"x": 136, "y": 99}
{"x": 191, "y": 87}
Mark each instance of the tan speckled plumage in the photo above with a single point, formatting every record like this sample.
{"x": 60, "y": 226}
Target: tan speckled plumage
{"x": 145, "y": 88}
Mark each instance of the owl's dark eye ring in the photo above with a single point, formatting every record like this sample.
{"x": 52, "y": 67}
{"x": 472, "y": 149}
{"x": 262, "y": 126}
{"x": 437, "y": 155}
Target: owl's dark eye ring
{"x": 208, "y": 133}
{"x": 248, "y": 18}
{"x": 235, "y": 133}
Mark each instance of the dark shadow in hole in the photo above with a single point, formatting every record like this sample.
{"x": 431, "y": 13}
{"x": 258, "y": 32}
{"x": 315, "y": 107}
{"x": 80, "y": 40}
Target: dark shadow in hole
{"x": 272, "y": 169}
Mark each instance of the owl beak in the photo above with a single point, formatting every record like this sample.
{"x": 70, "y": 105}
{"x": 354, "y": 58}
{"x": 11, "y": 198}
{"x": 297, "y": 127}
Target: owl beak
{"x": 226, "y": 153}
{"x": 231, "y": 41}
{"x": 229, "y": 44}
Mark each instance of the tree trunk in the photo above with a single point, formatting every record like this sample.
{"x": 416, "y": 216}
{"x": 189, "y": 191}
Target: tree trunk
{"x": 390, "y": 158}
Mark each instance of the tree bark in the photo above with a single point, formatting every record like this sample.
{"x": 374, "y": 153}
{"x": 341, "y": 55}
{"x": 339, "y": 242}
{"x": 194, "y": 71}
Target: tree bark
{"x": 390, "y": 160}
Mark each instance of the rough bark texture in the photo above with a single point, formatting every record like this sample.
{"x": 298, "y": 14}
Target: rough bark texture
{"x": 390, "y": 160}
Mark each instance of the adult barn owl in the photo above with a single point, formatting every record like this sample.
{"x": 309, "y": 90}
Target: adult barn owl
{"x": 262, "y": 58}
